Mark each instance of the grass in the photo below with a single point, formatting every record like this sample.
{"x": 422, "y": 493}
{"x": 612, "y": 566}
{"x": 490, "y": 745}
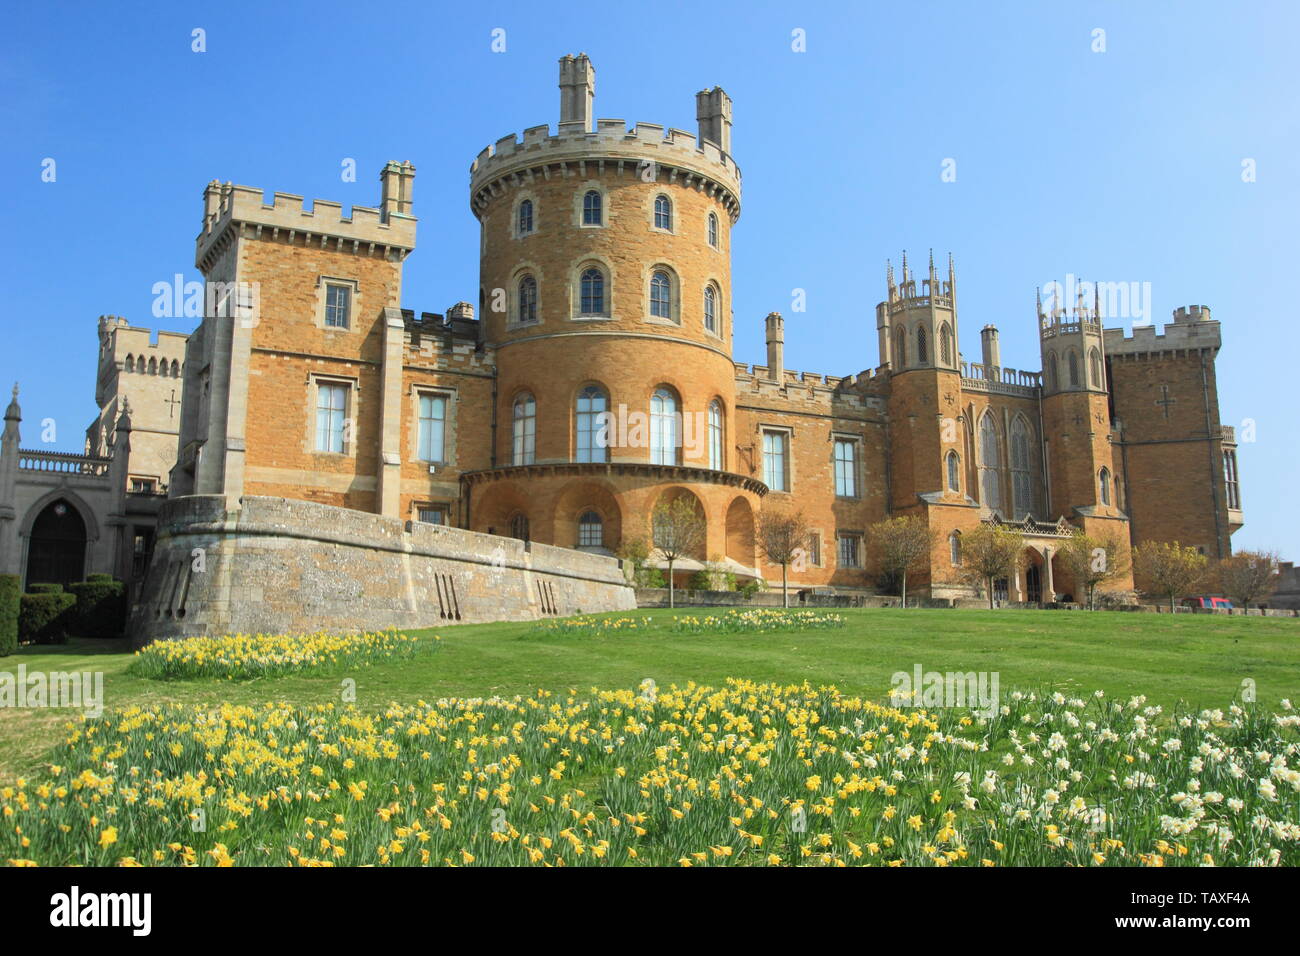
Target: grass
{"x": 1201, "y": 660}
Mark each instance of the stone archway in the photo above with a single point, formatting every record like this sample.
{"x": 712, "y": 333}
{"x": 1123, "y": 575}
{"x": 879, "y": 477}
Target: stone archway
{"x": 56, "y": 545}
{"x": 740, "y": 541}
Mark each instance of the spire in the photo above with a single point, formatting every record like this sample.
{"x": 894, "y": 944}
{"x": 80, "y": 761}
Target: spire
{"x": 124, "y": 420}
{"x": 13, "y": 415}
{"x": 1038, "y": 302}
{"x": 889, "y": 276}
{"x": 904, "y": 267}
{"x": 952, "y": 281}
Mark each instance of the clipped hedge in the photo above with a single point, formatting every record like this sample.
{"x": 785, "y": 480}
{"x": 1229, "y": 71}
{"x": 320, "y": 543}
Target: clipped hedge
{"x": 45, "y": 589}
{"x": 45, "y": 618}
{"x": 101, "y": 607}
{"x": 10, "y": 592}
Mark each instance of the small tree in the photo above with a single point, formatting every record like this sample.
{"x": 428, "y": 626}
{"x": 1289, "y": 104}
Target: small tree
{"x": 902, "y": 544}
{"x": 783, "y": 538}
{"x": 678, "y": 529}
{"x": 1168, "y": 570}
{"x": 989, "y": 552}
{"x": 1248, "y": 576}
{"x": 635, "y": 552}
{"x": 1092, "y": 561}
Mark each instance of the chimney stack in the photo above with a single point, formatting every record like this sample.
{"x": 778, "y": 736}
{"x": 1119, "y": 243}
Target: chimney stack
{"x": 713, "y": 110}
{"x": 577, "y": 92}
{"x": 397, "y": 182}
{"x": 992, "y": 351}
{"x": 775, "y": 347}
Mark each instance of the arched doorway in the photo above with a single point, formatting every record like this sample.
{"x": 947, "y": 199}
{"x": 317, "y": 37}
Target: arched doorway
{"x": 56, "y": 550}
{"x": 1033, "y": 584}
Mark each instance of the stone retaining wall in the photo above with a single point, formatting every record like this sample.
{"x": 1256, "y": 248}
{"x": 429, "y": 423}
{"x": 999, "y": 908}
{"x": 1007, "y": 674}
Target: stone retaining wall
{"x": 278, "y": 565}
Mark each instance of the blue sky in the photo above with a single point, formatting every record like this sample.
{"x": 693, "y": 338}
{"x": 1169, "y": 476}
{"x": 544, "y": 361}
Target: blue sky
{"x": 1122, "y": 165}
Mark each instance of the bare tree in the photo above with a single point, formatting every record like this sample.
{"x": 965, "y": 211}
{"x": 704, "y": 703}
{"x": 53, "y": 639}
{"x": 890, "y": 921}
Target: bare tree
{"x": 989, "y": 552}
{"x": 678, "y": 530}
{"x": 1091, "y": 561}
{"x": 902, "y": 544}
{"x": 1248, "y": 576}
{"x": 1168, "y": 570}
{"x": 783, "y": 539}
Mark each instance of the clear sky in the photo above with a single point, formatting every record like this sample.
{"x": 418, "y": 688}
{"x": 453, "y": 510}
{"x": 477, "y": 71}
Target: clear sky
{"x": 1122, "y": 165}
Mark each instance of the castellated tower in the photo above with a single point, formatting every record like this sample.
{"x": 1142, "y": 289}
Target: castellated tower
{"x": 1081, "y": 475}
{"x": 1172, "y": 445}
{"x": 917, "y": 331}
{"x": 605, "y": 279}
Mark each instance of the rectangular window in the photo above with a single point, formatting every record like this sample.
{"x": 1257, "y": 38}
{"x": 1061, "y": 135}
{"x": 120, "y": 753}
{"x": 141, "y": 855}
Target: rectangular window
{"x": 433, "y": 426}
{"x": 815, "y": 549}
{"x": 432, "y": 514}
{"x": 338, "y": 299}
{"x": 331, "y": 413}
{"x": 846, "y": 468}
{"x": 144, "y": 485}
{"x": 1230, "y": 480}
{"x": 850, "y": 551}
{"x": 774, "y": 461}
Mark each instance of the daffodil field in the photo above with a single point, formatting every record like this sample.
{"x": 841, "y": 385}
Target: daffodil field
{"x": 246, "y": 656}
{"x": 743, "y": 774}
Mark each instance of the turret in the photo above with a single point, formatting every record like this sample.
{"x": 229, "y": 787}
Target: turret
{"x": 1070, "y": 338}
{"x": 918, "y": 328}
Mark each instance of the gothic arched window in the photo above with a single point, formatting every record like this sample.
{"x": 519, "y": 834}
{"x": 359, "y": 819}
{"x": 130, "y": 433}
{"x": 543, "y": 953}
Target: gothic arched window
{"x": 661, "y": 296}
{"x": 710, "y": 308}
{"x": 990, "y": 462}
{"x": 664, "y": 439}
{"x": 713, "y": 230}
{"x": 527, "y": 300}
{"x": 593, "y": 292}
{"x": 663, "y": 213}
{"x": 525, "y": 430}
{"x": 1094, "y": 369}
{"x": 592, "y": 209}
{"x": 716, "y": 459}
{"x": 954, "y": 471}
{"x": 525, "y": 217}
{"x": 1021, "y": 481}
{"x": 900, "y": 349}
{"x": 945, "y": 344}
{"x": 590, "y": 425}
{"x": 1074, "y": 369}
{"x": 1104, "y": 481}
{"x": 922, "y": 346}
{"x": 954, "y": 549}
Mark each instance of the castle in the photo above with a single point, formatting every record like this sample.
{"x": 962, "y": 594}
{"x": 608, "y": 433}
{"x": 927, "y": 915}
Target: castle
{"x": 595, "y": 378}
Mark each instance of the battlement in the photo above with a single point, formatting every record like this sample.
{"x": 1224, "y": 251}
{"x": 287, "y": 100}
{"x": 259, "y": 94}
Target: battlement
{"x": 757, "y": 377}
{"x": 364, "y": 228}
{"x": 1191, "y": 330}
{"x": 580, "y": 152}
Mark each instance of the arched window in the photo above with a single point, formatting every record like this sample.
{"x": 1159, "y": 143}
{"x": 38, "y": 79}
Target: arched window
{"x": 954, "y": 471}
{"x": 922, "y": 346}
{"x": 176, "y": 369}
{"x": 710, "y": 308}
{"x": 664, "y": 439}
{"x": 900, "y": 349}
{"x": 1052, "y": 372}
{"x": 1104, "y": 480}
{"x": 592, "y": 211}
{"x": 153, "y": 366}
{"x": 713, "y": 230}
{"x": 525, "y": 217}
{"x": 1021, "y": 481}
{"x": 954, "y": 549}
{"x": 591, "y": 425}
{"x": 990, "y": 461}
{"x": 525, "y": 430}
{"x": 716, "y": 460}
{"x": 593, "y": 292}
{"x": 527, "y": 300}
{"x": 1094, "y": 369}
{"x": 663, "y": 212}
{"x": 591, "y": 531}
{"x": 519, "y": 527}
{"x": 945, "y": 344}
{"x": 661, "y": 296}
{"x": 1074, "y": 369}
{"x": 130, "y": 363}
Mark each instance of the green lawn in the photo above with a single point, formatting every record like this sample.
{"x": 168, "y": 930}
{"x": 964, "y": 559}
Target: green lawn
{"x": 1202, "y": 660}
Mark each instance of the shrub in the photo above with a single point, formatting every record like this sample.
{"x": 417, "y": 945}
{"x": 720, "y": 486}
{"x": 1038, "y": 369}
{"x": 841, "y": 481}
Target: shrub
{"x": 45, "y": 589}
{"x": 651, "y": 578}
{"x": 101, "y": 607}
{"x": 750, "y": 587}
{"x": 10, "y": 591}
{"x": 45, "y": 618}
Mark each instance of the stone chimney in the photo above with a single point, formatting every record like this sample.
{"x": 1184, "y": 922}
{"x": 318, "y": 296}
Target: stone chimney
{"x": 397, "y": 183}
{"x": 713, "y": 110}
{"x": 775, "y": 347}
{"x": 992, "y": 351}
{"x": 577, "y": 92}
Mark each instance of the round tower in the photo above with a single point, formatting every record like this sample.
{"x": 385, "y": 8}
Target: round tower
{"x": 606, "y": 296}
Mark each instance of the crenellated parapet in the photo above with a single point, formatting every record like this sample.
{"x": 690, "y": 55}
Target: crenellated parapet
{"x": 1192, "y": 330}
{"x": 670, "y": 156}
{"x": 230, "y": 209}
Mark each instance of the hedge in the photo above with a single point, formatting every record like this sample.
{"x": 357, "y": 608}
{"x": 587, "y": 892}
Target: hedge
{"x": 101, "y": 607}
{"x": 45, "y": 589}
{"x": 10, "y": 591}
{"x": 45, "y": 618}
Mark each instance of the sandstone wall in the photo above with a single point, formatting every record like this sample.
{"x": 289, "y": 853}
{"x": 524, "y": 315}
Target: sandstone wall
{"x": 278, "y": 565}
